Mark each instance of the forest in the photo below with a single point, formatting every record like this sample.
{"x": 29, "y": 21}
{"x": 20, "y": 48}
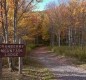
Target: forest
{"x": 61, "y": 27}
{"x": 62, "y": 24}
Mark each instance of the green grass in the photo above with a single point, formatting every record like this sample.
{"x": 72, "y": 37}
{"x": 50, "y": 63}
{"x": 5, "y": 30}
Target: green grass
{"x": 29, "y": 47}
{"x": 76, "y": 52}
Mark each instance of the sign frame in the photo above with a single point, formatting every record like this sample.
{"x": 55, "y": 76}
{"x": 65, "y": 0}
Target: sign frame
{"x": 12, "y": 50}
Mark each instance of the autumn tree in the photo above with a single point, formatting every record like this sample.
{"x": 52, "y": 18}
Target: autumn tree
{"x": 13, "y": 11}
{"x": 68, "y": 22}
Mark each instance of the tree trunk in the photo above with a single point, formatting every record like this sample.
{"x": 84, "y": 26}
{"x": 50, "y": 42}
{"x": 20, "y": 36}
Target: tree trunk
{"x": 5, "y": 28}
{"x": 15, "y": 20}
{"x": 59, "y": 39}
{"x": 52, "y": 37}
{"x": 13, "y": 68}
{"x": 69, "y": 36}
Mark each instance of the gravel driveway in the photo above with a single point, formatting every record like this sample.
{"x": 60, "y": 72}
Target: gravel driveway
{"x": 61, "y": 67}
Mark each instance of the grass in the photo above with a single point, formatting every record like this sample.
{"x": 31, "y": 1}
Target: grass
{"x": 74, "y": 52}
{"x": 36, "y": 71}
{"x": 33, "y": 71}
{"x": 29, "y": 47}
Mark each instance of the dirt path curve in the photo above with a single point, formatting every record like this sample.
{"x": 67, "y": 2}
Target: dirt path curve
{"x": 62, "y": 68}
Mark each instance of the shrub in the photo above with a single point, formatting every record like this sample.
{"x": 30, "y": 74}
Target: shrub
{"x": 76, "y": 52}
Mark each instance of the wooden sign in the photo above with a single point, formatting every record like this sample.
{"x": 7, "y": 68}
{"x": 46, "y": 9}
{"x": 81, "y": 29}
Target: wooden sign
{"x": 12, "y": 50}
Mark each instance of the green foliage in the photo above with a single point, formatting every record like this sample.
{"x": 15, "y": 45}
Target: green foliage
{"x": 29, "y": 47}
{"x": 76, "y": 52}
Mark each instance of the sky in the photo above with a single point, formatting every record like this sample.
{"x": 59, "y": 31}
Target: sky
{"x": 41, "y": 6}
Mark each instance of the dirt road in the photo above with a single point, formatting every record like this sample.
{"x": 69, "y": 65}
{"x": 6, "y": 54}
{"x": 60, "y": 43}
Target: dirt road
{"x": 61, "y": 67}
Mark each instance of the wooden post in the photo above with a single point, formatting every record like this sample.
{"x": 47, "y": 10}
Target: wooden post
{"x": 1, "y": 39}
{"x": 0, "y": 67}
{"x": 20, "y": 61}
{"x": 20, "y": 65}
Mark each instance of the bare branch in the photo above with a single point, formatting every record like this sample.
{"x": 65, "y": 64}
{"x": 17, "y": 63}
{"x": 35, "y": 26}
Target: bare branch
{"x": 25, "y": 9}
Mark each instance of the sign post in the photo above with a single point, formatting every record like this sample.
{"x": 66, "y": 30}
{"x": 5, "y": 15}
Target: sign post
{"x": 20, "y": 65}
{"x": 12, "y": 50}
{"x": 20, "y": 61}
{"x": 1, "y": 59}
{"x": 0, "y": 67}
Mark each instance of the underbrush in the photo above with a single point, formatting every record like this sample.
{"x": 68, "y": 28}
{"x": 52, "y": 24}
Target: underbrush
{"x": 33, "y": 71}
{"x": 29, "y": 47}
{"x": 76, "y": 52}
